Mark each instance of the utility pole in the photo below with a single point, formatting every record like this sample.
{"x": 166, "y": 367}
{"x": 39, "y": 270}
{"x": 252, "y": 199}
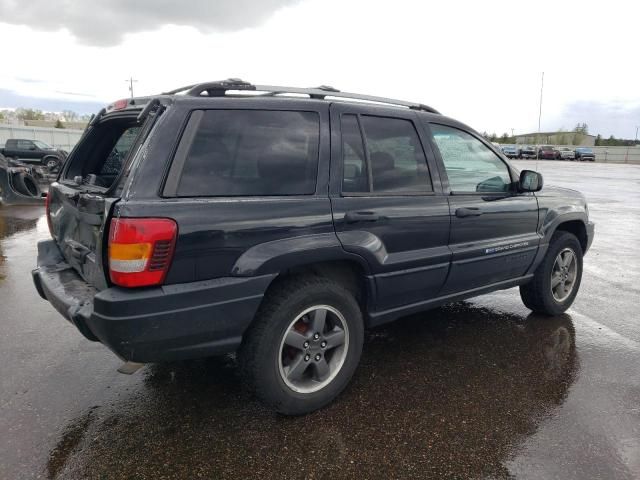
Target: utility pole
{"x": 539, "y": 118}
{"x": 637, "y": 133}
{"x": 512, "y": 133}
{"x": 131, "y": 81}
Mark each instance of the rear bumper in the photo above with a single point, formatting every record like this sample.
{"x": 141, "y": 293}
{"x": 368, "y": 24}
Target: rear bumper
{"x": 171, "y": 322}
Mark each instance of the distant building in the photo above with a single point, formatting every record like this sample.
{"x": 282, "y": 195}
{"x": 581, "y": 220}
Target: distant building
{"x": 556, "y": 138}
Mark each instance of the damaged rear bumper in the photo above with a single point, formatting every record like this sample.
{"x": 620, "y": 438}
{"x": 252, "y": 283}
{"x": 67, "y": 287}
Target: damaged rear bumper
{"x": 155, "y": 324}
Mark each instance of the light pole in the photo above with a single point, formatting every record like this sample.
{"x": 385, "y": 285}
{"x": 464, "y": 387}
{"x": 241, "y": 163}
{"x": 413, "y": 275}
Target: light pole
{"x": 539, "y": 119}
{"x": 130, "y": 81}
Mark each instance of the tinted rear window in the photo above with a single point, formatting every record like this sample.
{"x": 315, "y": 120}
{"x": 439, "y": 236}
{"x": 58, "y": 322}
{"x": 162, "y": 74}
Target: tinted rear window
{"x": 252, "y": 152}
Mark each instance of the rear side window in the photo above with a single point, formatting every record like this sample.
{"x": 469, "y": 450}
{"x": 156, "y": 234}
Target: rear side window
{"x": 394, "y": 161}
{"x": 252, "y": 152}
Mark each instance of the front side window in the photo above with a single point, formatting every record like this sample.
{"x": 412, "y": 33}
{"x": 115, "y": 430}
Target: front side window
{"x": 42, "y": 145}
{"x": 471, "y": 166}
{"x": 252, "y": 152}
{"x": 394, "y": 161}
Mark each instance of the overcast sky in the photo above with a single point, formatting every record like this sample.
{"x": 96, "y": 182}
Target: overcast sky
{"x": 478, "y": 61}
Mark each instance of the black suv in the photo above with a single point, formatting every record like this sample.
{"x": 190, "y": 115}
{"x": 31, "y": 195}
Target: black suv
{"x": 244, "y": 219}
{"x": 34, "y": 151}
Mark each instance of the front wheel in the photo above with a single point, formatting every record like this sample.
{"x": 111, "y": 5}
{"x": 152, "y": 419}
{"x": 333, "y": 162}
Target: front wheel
{"x": 303, "y": 346}
{"x": 557, "y": 279}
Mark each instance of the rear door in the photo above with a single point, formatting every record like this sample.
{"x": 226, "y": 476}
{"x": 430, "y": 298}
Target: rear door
{"x": 493, "y": 227}
{"x": 387, "y": 201}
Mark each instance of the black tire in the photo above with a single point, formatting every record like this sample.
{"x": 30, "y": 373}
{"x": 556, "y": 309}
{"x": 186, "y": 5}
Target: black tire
{"x": 259, "y": 355}
{"x": 25, "y": 184}
{"x": 51, "y": 163}
{"x": 537, "y": 294}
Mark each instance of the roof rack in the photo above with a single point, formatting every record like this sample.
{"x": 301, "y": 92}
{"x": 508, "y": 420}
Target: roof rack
{"x": 219, "y": 89}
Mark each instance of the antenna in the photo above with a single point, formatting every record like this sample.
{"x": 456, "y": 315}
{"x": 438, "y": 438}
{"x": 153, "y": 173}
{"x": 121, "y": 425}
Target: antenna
{"x": 539, "y": 120}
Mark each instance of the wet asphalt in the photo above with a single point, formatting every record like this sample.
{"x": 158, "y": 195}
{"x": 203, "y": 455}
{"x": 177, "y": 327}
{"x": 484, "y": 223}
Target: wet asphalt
{"x": 477, "y": 389}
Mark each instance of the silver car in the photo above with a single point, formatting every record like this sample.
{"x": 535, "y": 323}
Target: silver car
{"x": 567, "y": 153}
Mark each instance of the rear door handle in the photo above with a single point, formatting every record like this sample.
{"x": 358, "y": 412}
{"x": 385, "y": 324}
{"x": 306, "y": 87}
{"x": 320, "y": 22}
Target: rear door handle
{"x": 468, "y": 212}
{"x": 352, "y": 217}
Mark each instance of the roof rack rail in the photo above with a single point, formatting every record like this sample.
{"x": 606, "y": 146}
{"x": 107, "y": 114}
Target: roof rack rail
{"x": 219, "y": 89}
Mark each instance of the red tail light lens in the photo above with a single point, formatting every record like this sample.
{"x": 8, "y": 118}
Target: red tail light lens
{"x": 141, "y": 250}
{"x": 47, "y": 207}
{"x": 120, "y": 104}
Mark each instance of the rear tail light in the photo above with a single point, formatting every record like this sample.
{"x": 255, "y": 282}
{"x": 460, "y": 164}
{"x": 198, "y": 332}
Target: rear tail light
{"x": 47, "y": 206}
{"x": 141, "y": 250}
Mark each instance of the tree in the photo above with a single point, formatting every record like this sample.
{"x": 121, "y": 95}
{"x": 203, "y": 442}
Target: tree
{"x": 69, "y": 115}
{"x": 598, "y": 140}
{"x": 582, "y": 128}
{"x": 58, "y": 124}
{"x": 29, "y": 114}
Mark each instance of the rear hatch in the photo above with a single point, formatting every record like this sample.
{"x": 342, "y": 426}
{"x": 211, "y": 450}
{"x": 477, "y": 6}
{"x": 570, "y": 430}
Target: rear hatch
{"x": 81, "y": 201}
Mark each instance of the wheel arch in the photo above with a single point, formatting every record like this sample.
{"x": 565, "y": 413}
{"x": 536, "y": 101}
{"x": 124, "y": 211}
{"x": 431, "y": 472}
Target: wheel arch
{"x": 348, "y": 273}
{"x": 578, "y": 228}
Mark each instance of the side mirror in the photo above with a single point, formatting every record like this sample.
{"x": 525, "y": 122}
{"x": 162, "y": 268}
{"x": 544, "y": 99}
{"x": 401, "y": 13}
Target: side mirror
{"x": 33, "y": 147}
{"x": 530, "y": 181}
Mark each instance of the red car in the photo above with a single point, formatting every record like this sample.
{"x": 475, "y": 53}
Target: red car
{"x": 548, "y": 152}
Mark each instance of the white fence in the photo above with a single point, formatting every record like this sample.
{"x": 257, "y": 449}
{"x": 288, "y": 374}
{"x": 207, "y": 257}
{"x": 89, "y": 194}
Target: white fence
{"x": 67, "y": 138}
{"x": 56, "y": 137}
{"x": 617, "y": 154}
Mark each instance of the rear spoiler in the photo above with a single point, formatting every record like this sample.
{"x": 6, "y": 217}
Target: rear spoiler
{"x": 146, "y": 105}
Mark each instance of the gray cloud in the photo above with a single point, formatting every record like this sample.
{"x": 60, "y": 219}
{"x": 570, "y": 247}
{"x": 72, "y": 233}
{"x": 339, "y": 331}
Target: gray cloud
{"x": 619, "y": 119}
{"x": 104, "y": 22}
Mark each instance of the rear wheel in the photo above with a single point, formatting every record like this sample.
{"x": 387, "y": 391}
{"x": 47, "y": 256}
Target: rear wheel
{"x": 303, "y": 346}
{"x": 557, "y": 279}
{"x": 51, "y": 163}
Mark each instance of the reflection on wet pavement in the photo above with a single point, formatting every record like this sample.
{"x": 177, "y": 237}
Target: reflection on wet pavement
{"x": 449, "y": 394}
{"x": 18, "y": 219}
{"x": 10, "y": 224}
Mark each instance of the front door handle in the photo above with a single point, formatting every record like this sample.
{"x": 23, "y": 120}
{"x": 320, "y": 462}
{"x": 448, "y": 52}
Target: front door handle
{"x": 468, "y": 212}
{"x": 352, "y": 217}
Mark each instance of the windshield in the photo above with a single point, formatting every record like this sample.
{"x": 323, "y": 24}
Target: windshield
{"x": 584, "y": 150}
{"x": 42, "y": 145}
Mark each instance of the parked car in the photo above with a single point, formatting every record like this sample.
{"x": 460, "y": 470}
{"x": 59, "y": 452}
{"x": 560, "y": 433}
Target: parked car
{"x": 280, "y": 227}
{"x": 585, "y": 154}
{"x": 529, "y": 151}
{"x": 34, "y": 151}
{"x": 547, "y": 152}
{"x": 566, "y": 153}
{"x": 511, "y": 151}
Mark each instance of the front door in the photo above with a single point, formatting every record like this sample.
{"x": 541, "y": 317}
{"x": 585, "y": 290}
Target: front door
{"x": 493, "y": 227}
{"x": 387, "y": 206}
